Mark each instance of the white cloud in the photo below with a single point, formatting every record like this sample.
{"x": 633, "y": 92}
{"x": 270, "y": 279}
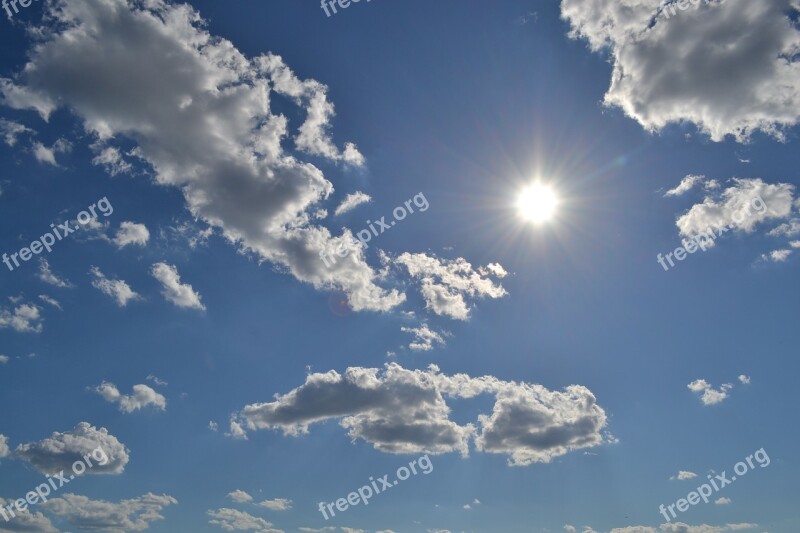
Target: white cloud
{"x": 233, "y": 520}
{"x": 352, "y": 201}
{"x": 236, "y": 431}
{"x": 744, "y": 379}
{"x": 24, "y": 318}
{"x": 4, "y": 359}
{"x": 777, "y": 256}
{"x": 156, "y": 381}
{"x": 115, "y": 288}
{"x": 213, "y": 426}
{"x": 59, "y": 451}
{"x": 447, "y": 284}
{"x": 50, "y": 301}
{"x": 277, "y": 504}
{"x": 10, "y": 130}
{"x": 742, "y": 207}
{"x": 182, "y": 295}
{"x": 111, "y": 159}
{"x": 143, "y": 396}
{"x": 687, "y": 184}
{"x": 569, "y": 529}
{"x": 683, "y": 475}
{"x": 46, "y": 275}
{"x": 710, "y": 396}
{"x": 240, "y": 496}
{"x": 135, "y": 514}
{"x": 404, "y": 411}
{"x": 722, "y": 501}
{"x": 4, "y": 449}
{"x": 787, "y": 229}
{"x": 131, "y": 233}
{"x": 680, "y": 527}
{"x": 47, "y": 155}
{"x": 424, "y": 338}
{"x": 199, "y": 113}
{"x": 696, "y": 67}
{"x": 26, "y": 521}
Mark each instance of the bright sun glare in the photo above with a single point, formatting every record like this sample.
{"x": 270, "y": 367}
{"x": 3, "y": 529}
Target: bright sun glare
{"x": 537, "y": 203}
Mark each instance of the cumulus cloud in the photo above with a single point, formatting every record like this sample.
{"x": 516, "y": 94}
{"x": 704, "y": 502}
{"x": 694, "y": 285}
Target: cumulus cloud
{"x": 46, "y": 275}
{"x": 352, "y": 201}
{"x": 26, "y": 521}
{"x": 445, "y": 285}
{"x": 135, "y": 514}
{"x": 233, "y": 520}
{"x": 25, "y": 318}
{"x": 111, "y": 159}
{"x": 741, "y": 207}
{"x": 131, "y": 233}
{"x": 115, "y": 288}
{"x": 424, "y": 338}
{"x": 730, "y": 68}
{"x": 680, "y": 527}
{"x": 240, "y": 496}
{"x": 143, "y": 396}
{"x": 708, "y": 394}
{"x": 722, "y": 501}
{"x": 277, "y": 504}
{"x": 690, "y": 182}
{"x": 777, "y": 256}
{"x": 10, "y": 130}
{"x": 59, "y": 451}
{"x": 181, "y": 294}
{"x": 47, "y": 155}
{"x": 5, "y": 451}
{"x": 744, "y": 379}
{"x": 199, "y": 114}
{"x": 683, "y": 475}
{"x": 404, "y": 411}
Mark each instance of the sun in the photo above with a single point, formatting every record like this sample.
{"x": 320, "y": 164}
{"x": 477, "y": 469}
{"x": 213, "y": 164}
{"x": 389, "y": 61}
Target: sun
{"x": 537, "y": 203}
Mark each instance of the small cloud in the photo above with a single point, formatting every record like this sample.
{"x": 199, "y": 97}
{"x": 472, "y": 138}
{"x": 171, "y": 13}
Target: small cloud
{"x": 240, "y": 496}
{"x": 722, "y": 501}
{"x": 9, "y": 130}
{"x": 50, "y": 301}
{"x": 236, "y": 431}
{"x": 683, "y": 475}
{"x": 131, "y": 233}
{"x": 115, "y": 288}
{"x": 25, "y": 318}
{"x": 352, "y": 201}
{"x": 157, "y": 381}
{"x": 46, "y": 275}
{"x": 687, "y": 184}
{"x": 182, "y": 295}
{"x": 424, "y": 338}
{"x": 278, "y": 504}
{"x": 213, "y": 426}
{"x": 710, "y": 396}
{"x": 777, "y": 256}
{"x": 47, "y": 155}
{"x": 142, "y": 397}
{"x": 4, "y": 359}
{"x": 744, "y": 379}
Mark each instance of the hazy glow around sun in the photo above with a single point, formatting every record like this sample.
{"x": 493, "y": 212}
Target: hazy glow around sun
{"x": 537, "y": 203}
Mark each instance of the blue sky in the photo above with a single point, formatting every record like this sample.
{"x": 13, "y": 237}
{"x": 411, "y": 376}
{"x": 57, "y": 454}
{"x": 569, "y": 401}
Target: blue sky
{"x": 557, "y": 377}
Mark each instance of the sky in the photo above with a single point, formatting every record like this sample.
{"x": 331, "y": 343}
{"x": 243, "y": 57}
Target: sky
{"x": 382, "y": 266}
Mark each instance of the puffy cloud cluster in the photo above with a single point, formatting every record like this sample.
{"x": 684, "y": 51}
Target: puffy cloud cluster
{"x": 728, "y": 67}
{"x": 445, "y": 284}
{"x": 233, "y": 520}
{"x": 25, "y": 318}
{"x": 708, "y": 394}
{"x": 199, "y": 114}
{"x": 135, "y": 514}
{"x": 142, "y": 397}
{"x": 59, "y": 451}
{"x": 25, "y": 521}
{"x": 398, "y": 410}
{"x": 131, "y": 233}
{"x": 117, "y": 289}
{"x": 424, "y": 338}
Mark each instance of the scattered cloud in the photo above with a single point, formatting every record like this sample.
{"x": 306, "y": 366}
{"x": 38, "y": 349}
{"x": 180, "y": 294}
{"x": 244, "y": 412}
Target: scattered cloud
{"x": 710, "y": 395}
{"x": 111, "y": 159}
{"x": 745, "y": 380}
{"x": 135, "y": 514}
{"x": 26, "y": 521}
{"x": 352, "y": 201}
{"x": 47, "y": 155}
{"x": 683, "y": 475}
{"x": 722, "y": 501}
{"x": 446, "y": 284}
{"x": 278, "y": 504}
{"x": 182, "y": 295}
{"x": 404, "y": 411}
{"x": 46, "y": 275}
{"x": 10, "y": 130}
{"x": 424, "y": 338}
{"x": 59, "y": 451}
{"x": 131, "y": 233}
{"x": 156, "y": 381}
{"x": 233, "y": 520}
{"x": 143, "y": 396}
{"x": 24, "y": 318}
{"x": 240, "y": 496}
{"x": 50, "y": 301}
{"x": 115, "y": 288}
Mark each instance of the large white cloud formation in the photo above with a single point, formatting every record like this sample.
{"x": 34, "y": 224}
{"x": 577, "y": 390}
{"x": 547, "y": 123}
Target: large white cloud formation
{"x": 404, "y": 411}
{"x": 729, "y": 67}
{"x": 199, "y": 113}
{"x": 134, "y": 514}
